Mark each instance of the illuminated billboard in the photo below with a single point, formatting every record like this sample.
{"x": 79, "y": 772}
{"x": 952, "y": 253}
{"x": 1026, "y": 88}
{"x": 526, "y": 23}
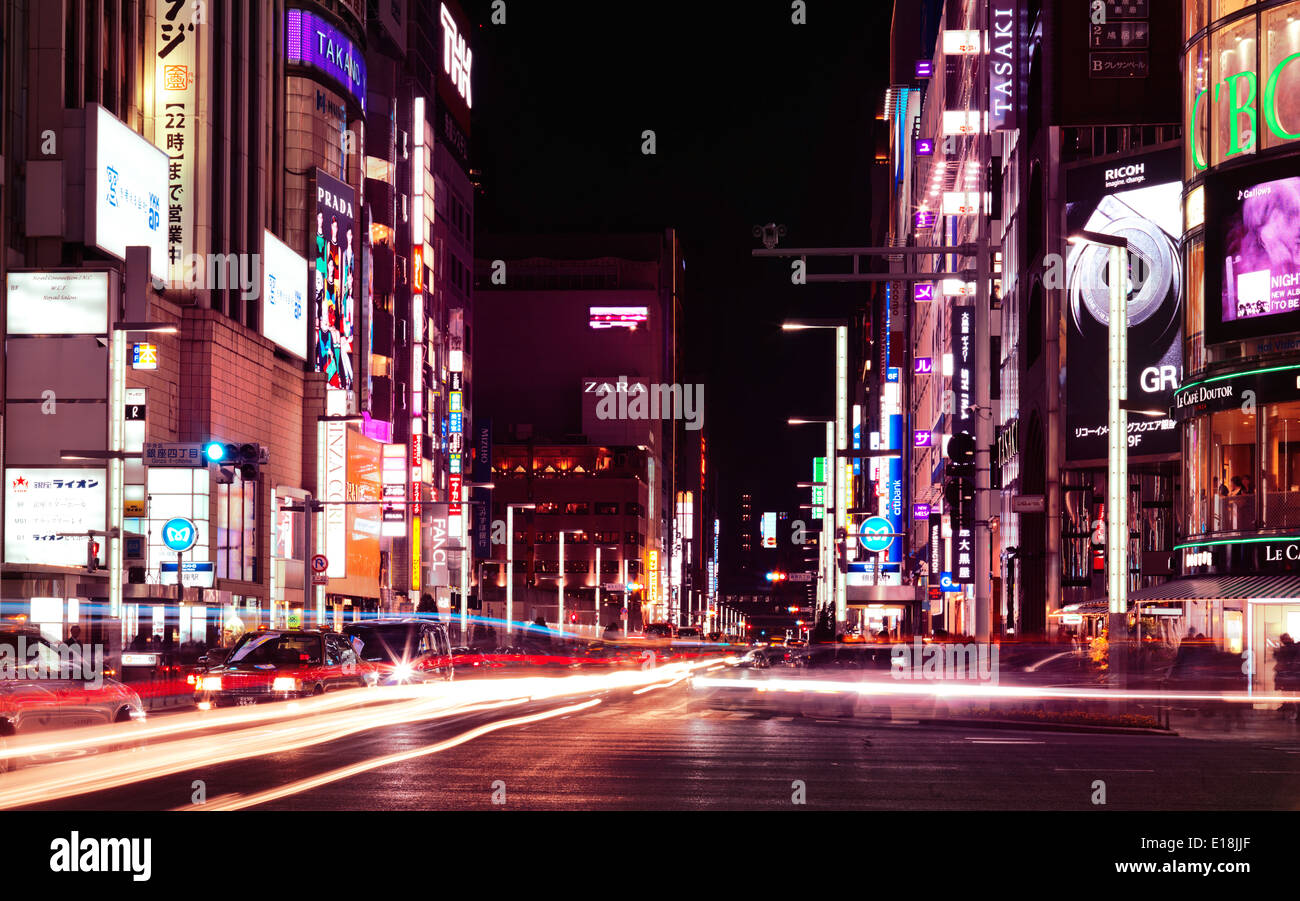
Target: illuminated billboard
{"x": 767, "y": 529}
{"x": 617, "y": 317}
{"x": 126, "y": 181}
{"x": 1136, "y": 197}
{"x": 1252, "y": 252}
{"x": 284, "y": 296}
{"x": 333, "y": 272}
{"x": 57, "y": 303}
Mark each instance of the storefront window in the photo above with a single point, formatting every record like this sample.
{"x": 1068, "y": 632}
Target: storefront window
{"x": 237, "y": 530}
{"x": 1199, "y": 500}
{"x": 1280, "y": 84}
{"x": 1231, "y": 472}
{"x": 1234, "y": 92}
{"x": 1280, "y": 466}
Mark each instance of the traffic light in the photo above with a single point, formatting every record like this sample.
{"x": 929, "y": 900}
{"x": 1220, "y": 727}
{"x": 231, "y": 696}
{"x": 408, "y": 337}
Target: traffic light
{"x": 92, "y": 555}
{"x": 245, "y": 457}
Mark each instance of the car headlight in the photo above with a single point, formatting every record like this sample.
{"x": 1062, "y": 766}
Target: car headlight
{"x": 285, "y": 683}
{"x": 402, "y": 672}
{"x": 211, "y": 683}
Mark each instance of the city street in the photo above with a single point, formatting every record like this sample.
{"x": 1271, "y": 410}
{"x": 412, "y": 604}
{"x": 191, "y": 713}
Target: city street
{"x": 661, "y": 751}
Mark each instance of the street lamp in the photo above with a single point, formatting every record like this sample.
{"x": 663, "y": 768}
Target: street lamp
{"x": 559, "y": 579}
{"x": 1117, "y": 436}
{"x": 510, "y": 562}
{"x": 830, "y": 512}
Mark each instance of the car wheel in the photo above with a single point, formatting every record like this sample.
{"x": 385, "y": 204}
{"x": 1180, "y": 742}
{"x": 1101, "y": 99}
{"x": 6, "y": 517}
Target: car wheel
{"x": 318, "y": 690}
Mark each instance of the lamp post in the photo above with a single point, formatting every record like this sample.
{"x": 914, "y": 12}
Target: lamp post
{"x": 830, "y": 518}
{"x": 559, "y": 580}
{"x": 510, "y": 562}
{"x": 1116, "y": 444}
{"x": 837, "y": 437}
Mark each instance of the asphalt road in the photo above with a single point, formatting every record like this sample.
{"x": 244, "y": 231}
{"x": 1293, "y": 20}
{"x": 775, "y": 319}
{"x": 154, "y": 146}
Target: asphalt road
{"x": 663, "y": 750}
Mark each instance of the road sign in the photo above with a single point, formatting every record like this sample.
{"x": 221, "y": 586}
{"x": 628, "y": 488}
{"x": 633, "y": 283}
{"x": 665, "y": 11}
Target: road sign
{"x": 874, "y": 534}
{"x": 188, "y": 453}
{"x": 195, "y": 574}
{"x": 319, "y": 563}
{"x": 947, "y": 584}
{"x": 179, "y": 534}
{"x": 613, "y": 586}
{"x": 801, "y": 577}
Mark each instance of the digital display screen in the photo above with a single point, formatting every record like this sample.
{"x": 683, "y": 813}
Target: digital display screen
{"x": 1261, "y": 250}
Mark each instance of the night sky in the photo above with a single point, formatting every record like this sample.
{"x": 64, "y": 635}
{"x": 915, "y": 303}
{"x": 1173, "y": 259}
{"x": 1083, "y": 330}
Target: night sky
{"x": 756, "y": 120}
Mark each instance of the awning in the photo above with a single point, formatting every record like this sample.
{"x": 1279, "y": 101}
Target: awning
{"x": 1214, "y": 588}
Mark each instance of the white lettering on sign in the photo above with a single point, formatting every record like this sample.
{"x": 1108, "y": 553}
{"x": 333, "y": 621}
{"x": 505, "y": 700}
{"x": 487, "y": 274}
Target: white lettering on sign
{"x": 456, "y": 56}
{"x": 336, "y": 443}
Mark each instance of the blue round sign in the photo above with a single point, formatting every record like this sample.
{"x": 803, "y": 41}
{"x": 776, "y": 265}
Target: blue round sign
{"x": 179, "y": 534}
{"x": 874, "y": 533}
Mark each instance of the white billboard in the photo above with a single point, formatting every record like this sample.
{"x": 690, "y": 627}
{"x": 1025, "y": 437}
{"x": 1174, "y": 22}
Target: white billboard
{"x": 284, "y": 295}
{"x": 41, "y": 503}
{"x": 126, "y": 190}
{"x": 57, "y": 303}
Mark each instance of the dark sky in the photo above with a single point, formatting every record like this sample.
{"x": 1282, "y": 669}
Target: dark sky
{"x": 756, "y": 120}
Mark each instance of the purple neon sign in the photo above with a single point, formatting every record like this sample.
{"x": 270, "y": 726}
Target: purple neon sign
{"x": 311, "y": 41}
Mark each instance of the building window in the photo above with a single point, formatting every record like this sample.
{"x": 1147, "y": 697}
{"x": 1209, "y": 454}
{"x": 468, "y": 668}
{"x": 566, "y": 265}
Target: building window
{"x": 632, "y": 508}
{"x": 577, "y": 509}
{"x": 237, "y": 530}
{"x": 607, "y": 509}
{"x": 1280, "y": 466}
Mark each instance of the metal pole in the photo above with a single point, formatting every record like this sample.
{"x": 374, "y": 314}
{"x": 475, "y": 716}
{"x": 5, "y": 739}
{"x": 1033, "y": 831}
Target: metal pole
{"x": 559, "y": 584}
{"x": 983, "y": 413}
{"x": 597, "y": 587}
{"x": 309, "y": 550}
{"x": 510, "y": 568}
{"x": 1117, "y": 447}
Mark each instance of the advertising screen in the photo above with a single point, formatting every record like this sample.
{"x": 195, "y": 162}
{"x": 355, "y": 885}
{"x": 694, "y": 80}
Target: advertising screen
{"x": 313, "y": 42}
{"x": 364, "y": 481}
{"x": 284, "y": 296}
{"x": 334, "y": 242}
{"x": 126, "y": 181}
{"x": 1136, "y": 197}
{"x": 1252, "y": 252}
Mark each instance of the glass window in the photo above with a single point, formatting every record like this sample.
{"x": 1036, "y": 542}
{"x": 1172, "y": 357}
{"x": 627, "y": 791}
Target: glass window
{"x": 1279, "y": 88}
{"x": 1280, "y": 466}
{"x": 237, "y": 530}
{"x": 1232, "y": 470}
{"x": 1232, "y": 73}
{"x": 1193, "y": 17}
{"x": 1194, "y": 325}
{"x": 1228, "y": 7}
{"x": 1196, "y": 105}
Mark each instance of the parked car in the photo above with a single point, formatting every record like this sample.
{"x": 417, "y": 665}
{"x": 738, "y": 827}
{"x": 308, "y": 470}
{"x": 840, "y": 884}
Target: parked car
{"x": 408, "y": 650}
{"x": 44, "y": 687}
{"x": 277, "y": 664}
{"x": 659, "y": 630}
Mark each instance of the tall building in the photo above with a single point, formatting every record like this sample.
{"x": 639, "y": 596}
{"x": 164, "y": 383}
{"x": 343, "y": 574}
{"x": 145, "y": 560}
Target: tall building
{"x": 245, "y": 148}
{"x": 1238, "y": 404}
{"x": 578, "y": 345}
{"x": 1079, "y": 135}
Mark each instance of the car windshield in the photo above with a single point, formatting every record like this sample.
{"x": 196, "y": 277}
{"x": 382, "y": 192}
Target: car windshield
{"x": 269, "y": 647}
{"x": 387, "y": 643}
